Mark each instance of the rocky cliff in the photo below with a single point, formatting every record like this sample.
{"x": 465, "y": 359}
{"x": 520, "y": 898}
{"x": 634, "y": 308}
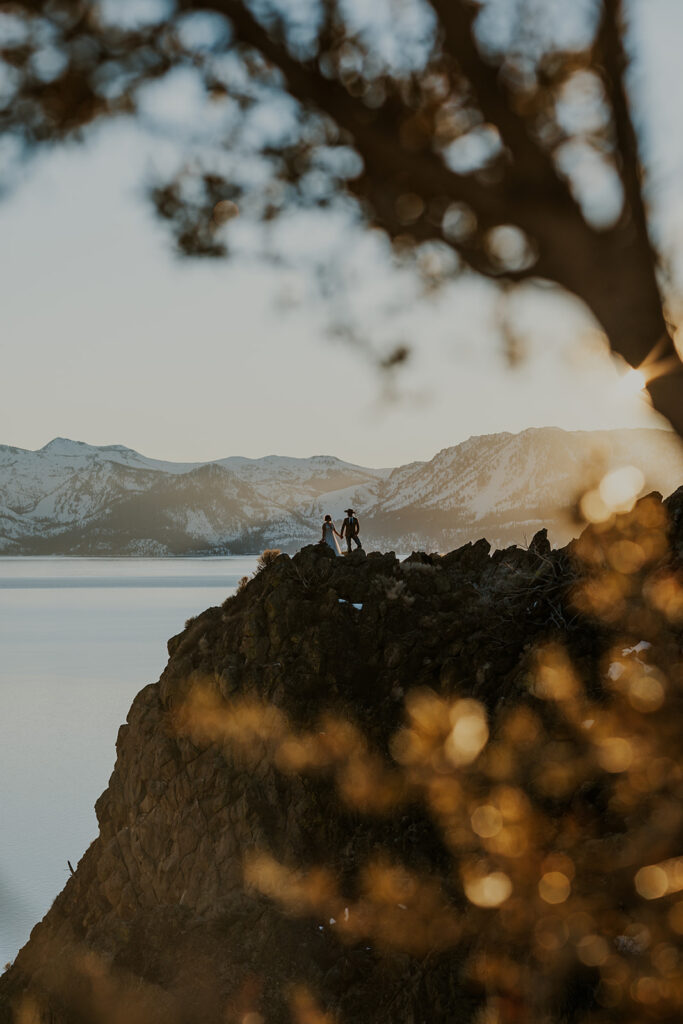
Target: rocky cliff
{"x": 366, "y": 790}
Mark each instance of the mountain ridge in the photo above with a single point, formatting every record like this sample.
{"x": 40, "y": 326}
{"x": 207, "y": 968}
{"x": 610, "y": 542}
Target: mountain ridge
{"x": 73, "y": 498}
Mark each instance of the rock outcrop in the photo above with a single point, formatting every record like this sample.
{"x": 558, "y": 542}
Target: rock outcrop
{"x": 234, "y": 756}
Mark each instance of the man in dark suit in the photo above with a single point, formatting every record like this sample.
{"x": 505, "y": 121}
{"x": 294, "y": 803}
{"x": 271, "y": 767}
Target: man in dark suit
{"x": 350, "y": 529}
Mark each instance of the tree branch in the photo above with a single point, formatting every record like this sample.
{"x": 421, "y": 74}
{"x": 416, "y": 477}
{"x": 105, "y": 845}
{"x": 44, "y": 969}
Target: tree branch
{"x": 533, "y": 164}
{"x": 632, "y": 229}
{"x": 376, "y": 134}
{"x": 613, "y": 272}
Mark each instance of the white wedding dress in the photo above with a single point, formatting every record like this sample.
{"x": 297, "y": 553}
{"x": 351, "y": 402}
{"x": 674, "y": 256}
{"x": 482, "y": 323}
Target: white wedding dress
{"x": 331, "y": 538}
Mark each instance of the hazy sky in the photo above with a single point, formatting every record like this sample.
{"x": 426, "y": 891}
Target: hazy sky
{"x": 108, "y": 338}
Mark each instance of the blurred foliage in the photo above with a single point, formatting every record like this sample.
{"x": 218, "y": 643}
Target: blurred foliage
{"x": 562, "y": 813}
{"x": 490, "y": 136}
{"x": 266, "y": 558}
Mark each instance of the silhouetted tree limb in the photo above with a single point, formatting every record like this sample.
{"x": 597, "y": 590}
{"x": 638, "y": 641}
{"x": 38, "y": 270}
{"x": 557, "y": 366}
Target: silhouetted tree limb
{"x": 407, "y": 183}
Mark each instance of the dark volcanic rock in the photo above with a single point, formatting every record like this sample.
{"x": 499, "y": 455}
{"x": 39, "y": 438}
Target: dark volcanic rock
{"x": 157, "y": 923}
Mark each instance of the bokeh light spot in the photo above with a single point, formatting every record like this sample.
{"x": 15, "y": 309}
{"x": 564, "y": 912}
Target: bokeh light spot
{"x": 592, "y": 950}
{"x": 615, "y": 754}
{"x": 469, "y": 734}
{"x": 488, "y": 890}
{"x": 646, "y": 693}
{"x": 620, "y": 488}
{"x": 487, "y": 821}
{"x": 652, "y": 882}
{"x": 632, "y": 382}
{"x": 554, "y": 887}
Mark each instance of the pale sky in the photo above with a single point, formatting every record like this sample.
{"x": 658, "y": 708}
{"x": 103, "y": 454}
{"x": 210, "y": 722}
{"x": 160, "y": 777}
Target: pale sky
{"x": 108, "y": 338}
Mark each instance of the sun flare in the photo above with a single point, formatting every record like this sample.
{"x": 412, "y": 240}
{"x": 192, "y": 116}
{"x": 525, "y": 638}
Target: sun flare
{"x": 632, "y": 382}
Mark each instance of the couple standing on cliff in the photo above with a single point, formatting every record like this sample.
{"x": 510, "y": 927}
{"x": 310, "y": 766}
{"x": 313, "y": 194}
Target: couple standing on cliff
{"x": 350, "y": 529}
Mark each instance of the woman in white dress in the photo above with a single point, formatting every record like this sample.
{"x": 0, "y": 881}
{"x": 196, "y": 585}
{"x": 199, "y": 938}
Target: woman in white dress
{"x": 330, "y": 535}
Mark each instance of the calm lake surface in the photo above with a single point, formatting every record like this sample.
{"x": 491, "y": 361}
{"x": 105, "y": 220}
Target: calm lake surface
{"x": 78, "y": 638}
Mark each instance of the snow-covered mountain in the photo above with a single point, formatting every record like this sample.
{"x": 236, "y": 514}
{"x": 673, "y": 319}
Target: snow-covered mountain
{"x": 506, "y": 486}
{"x": 73, "y": 498}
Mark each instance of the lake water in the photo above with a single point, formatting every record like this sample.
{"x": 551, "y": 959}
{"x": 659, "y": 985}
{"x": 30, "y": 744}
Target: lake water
{"x": 78, "y": 638}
